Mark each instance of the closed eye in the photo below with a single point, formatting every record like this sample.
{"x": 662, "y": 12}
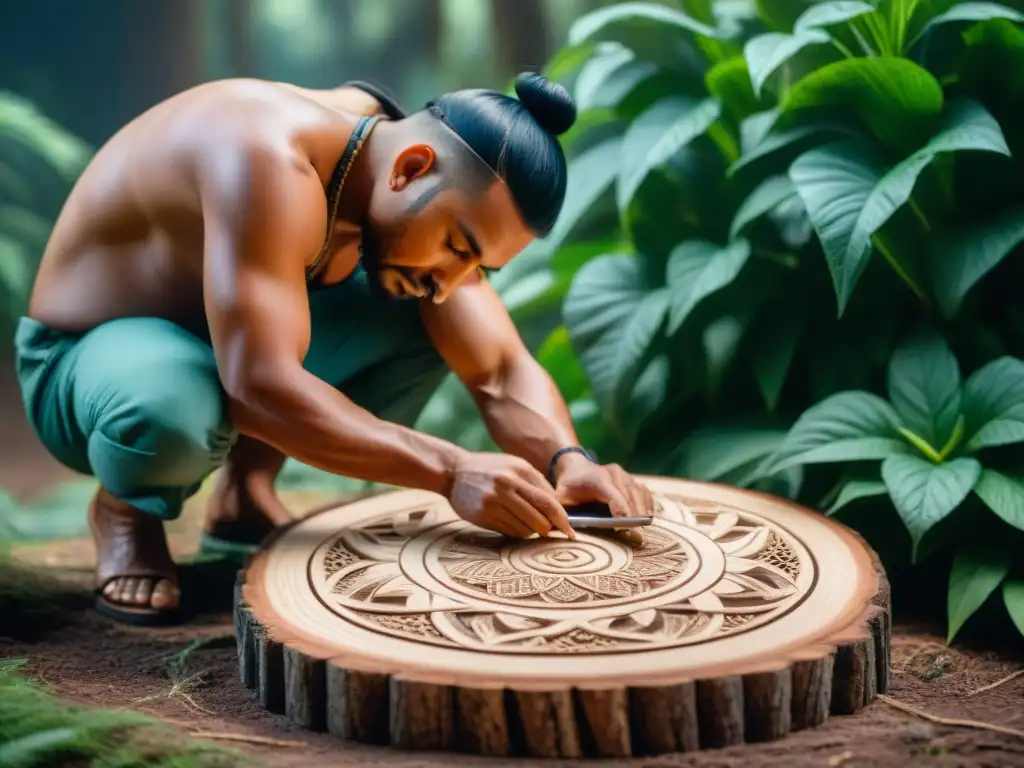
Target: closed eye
{"x": 464, "y": 255}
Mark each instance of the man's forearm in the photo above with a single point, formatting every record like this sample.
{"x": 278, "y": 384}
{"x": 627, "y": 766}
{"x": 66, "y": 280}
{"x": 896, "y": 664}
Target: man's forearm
{"x": 307, "y": 419}
{"x": 525, "y": 413}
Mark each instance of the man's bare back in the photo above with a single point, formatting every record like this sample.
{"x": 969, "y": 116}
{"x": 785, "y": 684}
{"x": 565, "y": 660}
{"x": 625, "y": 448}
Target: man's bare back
{"x": 129, "y": 241}
{"x": 193, "y": 313}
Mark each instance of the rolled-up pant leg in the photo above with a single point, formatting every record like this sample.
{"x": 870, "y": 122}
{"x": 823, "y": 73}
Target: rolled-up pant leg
{"x": 136, "y": 402}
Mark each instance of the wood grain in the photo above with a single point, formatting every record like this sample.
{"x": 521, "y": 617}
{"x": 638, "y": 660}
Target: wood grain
{"x": 332, "y": 664}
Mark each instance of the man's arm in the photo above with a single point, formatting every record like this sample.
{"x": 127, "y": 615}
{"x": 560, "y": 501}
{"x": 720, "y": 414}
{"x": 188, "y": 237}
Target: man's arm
{"x": 524, "y": 412}
{"x": 522, "y": 408}
{"x": 264, "y": 213}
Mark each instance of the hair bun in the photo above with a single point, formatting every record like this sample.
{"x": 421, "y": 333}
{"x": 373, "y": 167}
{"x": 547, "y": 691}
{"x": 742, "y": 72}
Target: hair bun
{"x": 548, "y": 102}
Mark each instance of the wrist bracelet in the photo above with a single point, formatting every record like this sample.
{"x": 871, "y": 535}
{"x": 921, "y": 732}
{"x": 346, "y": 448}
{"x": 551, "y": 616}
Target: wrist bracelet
{"x": 560, "y": 453}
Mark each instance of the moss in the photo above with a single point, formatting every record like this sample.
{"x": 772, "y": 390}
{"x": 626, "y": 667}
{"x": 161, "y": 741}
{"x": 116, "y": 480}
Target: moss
{"x": 38, "y": 730}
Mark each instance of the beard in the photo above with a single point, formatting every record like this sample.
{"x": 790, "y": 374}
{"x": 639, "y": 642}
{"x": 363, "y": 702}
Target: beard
{"x": 372, "y": 258}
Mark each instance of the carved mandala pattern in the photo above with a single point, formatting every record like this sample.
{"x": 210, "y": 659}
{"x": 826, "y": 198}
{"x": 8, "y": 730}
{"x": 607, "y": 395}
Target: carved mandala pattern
{"x": 706, "y": 571}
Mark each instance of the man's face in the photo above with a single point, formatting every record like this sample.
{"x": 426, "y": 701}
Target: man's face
{"x": 425, "y": 233}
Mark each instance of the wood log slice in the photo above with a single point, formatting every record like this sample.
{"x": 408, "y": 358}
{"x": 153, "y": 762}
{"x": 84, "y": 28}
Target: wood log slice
{"x": 741, "y": 617}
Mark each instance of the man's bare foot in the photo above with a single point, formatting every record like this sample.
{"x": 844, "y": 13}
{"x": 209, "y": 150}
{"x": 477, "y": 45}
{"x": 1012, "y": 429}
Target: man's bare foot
{"x": 135, "y": 575}
{"x": 244, "y": 510}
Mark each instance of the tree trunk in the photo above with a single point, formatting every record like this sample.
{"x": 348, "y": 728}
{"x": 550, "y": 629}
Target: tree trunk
{"x": 520, "y": 34}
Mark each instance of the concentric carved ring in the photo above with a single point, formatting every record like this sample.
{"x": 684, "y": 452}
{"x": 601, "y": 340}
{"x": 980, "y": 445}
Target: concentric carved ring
{"x": 726, "y": 583}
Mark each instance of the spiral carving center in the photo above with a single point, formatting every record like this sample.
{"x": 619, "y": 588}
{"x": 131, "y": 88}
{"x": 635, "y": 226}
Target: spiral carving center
{"x": 561, "y": 558}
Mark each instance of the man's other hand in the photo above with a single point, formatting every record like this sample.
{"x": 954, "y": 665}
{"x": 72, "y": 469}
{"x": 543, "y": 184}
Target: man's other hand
{"x": 506, "y": 494}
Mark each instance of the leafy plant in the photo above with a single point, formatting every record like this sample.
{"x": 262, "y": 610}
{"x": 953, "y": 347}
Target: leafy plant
{"x": 777, "y": 212}
{"x": 39, "y": 162}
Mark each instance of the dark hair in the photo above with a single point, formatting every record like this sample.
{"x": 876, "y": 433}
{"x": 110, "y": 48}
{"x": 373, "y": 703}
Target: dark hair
{"x": 517, "y": 140}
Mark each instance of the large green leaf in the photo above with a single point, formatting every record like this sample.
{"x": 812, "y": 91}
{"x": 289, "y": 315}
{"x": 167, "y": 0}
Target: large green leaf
{"x": 1013, "y": 599}
{"x": 777, "y": 334}
{"x": 1003, "y": 495}
{"x": 848, "y": 426}
{"x": 767, "y": 196}
{"x": 612, "y": 320}
{"x": 962, "y": 255}
{"x": 924, "y": 493}
{"x": 607, "y": 79}
{"x": 854, "y": 490}
{"x": 766, "y": 53}
{"x": 993, "y": 404}
{"x": 729, "y": 82}
{"x": 724, "y": 454}
{"x": 924, "y": 387}
{"x": 660, "y": 34}
{"x": 849, "y": 195}
{"x": 828, "y": 13}
{"x": 966, "y": 13}
{"x": 895, "y": 98}
{"x": 656, "y": 136}
{"x": 975, "y": 575}
{"x": 758, "y": 147}
{"x": 559, "y": 360}
{"x": 697, "y": 269}
{"x": 20, "y": 121}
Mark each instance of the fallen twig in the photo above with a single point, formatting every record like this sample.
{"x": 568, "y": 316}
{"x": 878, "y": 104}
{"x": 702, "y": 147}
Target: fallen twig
{"x": 997, "y": 683}
{"x": 949, "y": 720}
{"x": 263, "y": 740}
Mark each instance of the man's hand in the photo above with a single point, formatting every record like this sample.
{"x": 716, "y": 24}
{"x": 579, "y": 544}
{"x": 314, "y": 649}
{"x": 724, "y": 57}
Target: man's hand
{"x": 506, "y": 494}
{"x": 579, "y": 480}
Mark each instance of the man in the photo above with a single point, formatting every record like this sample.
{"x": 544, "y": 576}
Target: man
{"x": 224, "y": 288}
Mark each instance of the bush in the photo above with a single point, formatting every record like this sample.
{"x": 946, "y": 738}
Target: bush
{"x": 778, "y": 213}
{"x": 39, "y": 162}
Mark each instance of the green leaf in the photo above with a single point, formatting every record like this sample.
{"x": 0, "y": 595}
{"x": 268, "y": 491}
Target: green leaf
{"x": 969, "y": 12}
{"x": 659, "y": 133}
{"x": 993, "y": 404}
{"x": 697, "y": 269}
{"x": 607, "y": 79}
{"x": 1003, "y": 495}
{"x": 1013, "y": 599}
{"x": 660, "y": 34}
{"x": 896, "y": 99}
{"x": 962, "y": 255}
{"x": 775, "y": 142}
{"x": 778, "y": 334}
{"x": 721, "y": 341}
{"x": 645, "y": 398}
{"x": 976, "y": 574}
{"x": 848, "y": 426}
{"x": 612, "y": 321}
{"x": 855, "y": 490}
{"x": 766, "y": 53}
{"x": 717, "y": 455}
{"x": 559, "y": 360}
{"x": 729, "y": 82}
{"x": 767, "y": 196}
{"x": 849, "y": 196}
{"x": 924, "y": 387}
{"x": 827, "y": 14}
{"x": 924, "y": 493}
{"x": 567, "y": 60}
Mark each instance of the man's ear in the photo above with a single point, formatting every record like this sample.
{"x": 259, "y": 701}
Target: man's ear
{"x": 411, "y": 163}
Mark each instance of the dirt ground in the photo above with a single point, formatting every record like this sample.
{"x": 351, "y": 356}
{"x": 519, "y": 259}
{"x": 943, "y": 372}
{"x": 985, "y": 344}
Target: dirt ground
{"x": 189, "y": 675}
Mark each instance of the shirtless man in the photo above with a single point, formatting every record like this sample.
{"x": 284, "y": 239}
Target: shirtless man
{"x": 252, "y": 270}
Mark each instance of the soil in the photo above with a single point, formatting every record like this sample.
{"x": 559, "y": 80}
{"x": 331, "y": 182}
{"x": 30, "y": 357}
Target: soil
{"x": 88, "y": 659}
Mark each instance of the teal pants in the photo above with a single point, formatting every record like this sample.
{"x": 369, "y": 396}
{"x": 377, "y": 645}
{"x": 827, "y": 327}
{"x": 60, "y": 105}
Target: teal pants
{"x": 138, "y": 404}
